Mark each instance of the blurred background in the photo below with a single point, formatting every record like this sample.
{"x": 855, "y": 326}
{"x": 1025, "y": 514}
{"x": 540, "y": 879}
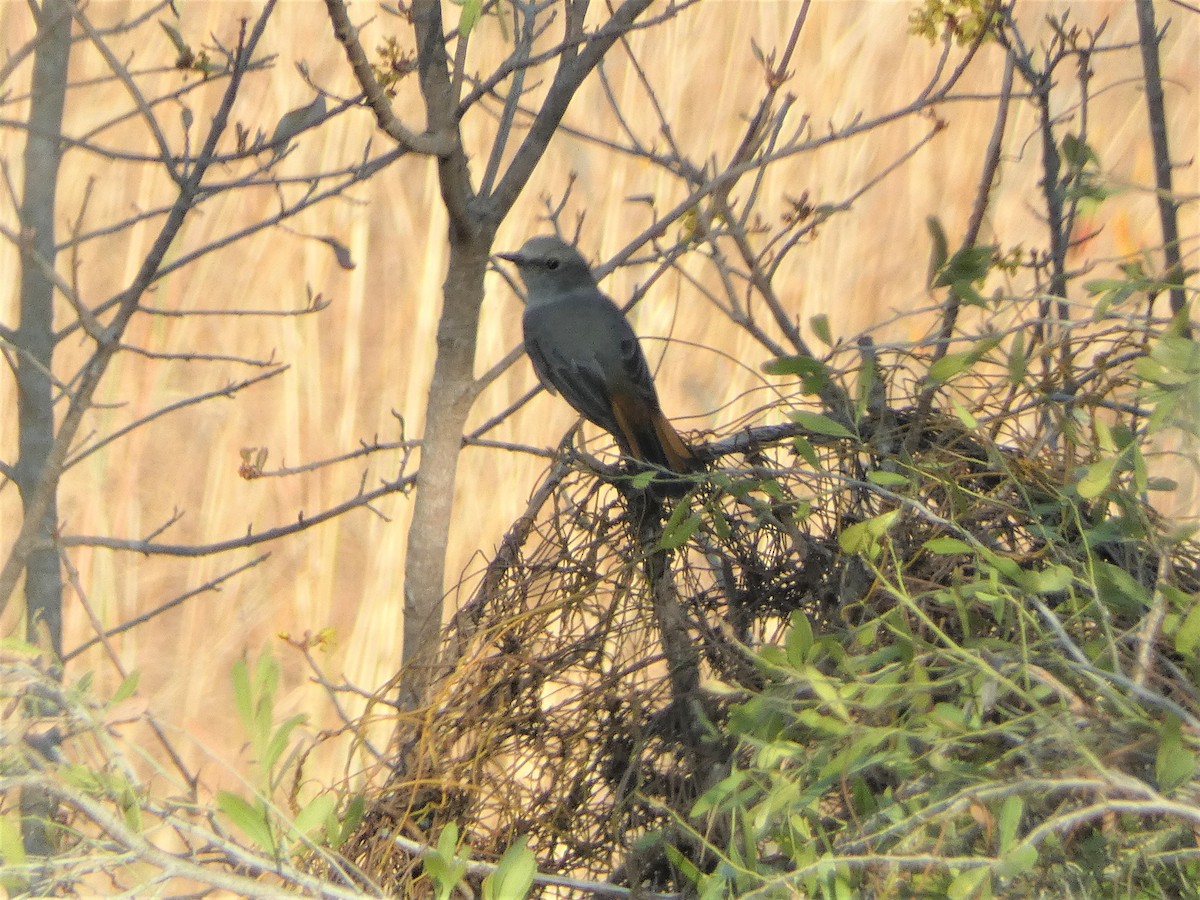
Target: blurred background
{"x": 359, "y": 366}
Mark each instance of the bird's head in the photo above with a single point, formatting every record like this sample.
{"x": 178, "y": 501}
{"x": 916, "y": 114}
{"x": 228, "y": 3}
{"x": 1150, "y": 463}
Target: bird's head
{"x": 550, "y": 268}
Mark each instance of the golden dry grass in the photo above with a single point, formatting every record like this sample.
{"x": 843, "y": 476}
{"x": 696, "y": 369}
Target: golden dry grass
{"x": 371, "y": 352}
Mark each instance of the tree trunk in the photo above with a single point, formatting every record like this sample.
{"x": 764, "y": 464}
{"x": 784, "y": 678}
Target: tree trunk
{"x": 35, "y": 334}
{"x": 450, "y": 395}
{"x": 452, "y": 389}
{"x": 35, "y": 358}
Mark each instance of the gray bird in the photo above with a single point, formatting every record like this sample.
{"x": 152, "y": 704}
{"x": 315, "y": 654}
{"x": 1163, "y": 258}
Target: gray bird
{"x": 582, "y": 347}
{"x": 294, "y": 121}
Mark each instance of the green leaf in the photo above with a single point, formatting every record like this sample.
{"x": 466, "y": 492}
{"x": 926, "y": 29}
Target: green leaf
{"x": 12, "y": 847}
{"x": 1105, "y": 285}
{"x": 1118, "y": 590}
{"x": 447, "y": 844}
{"x": 513, "y": 877}
{"x": 720, "y": 523}
{"x": 948, "y": 717}
{"x": 869, "y": 386}
{"x": 1007, "y": 567}
{"x": 314, "y": 815}
{"x": 1021, "y": 859}
{"x": 680, "y": 526}
{"x": 81, "y": 777}
{"x": 1174, "y": 765}
{"x": 1188, "y": 635}
{"x": 1018, "y": 359}
{"x": 772, "y": 488}
{"x": 946, "y": 546}
{"x": 442, "y": 865}
{"x": 820, "y": 326}
{"x": 241, "y": 695}
{"x": 1009, "y": 822}
{"x": 826, "y": 691}
{"x": 127, "y": 687}
{"x": 1097, "y": 477}
{"x": 686, "y": 867}
{"x": 887, "y": 479}
{"x": 939, "y": 250}
{"x": 1050, "y": 580}
{"x": 251, "y": 819}
{"x": 966, "y": 266}
{"x": 950, "y": 365}
{"x": 963, "y": 414}
{"x": 862, "y": 538}
{"x": 677, "y": 537}
{"x": 279, "y": 741}
{"x": 642, "y": 479}
{"x": 266, "y": 682}
{"x": 181, "y": 46}
{"x": 879, "y": 525}
{"x": 1135, "y": 460}
{"x": 856, "y": 539}
{"x": 351, "y": 819}
{"x": 1077, "y": 153}
{"x": 295, "y": 121}
{"x": 805, "y": 450}
{"x": 469, "y": 16}
{"x": 132, "y": 813}
{"x": 965, "y": 291}
{"x": 821, "y": 424}
{"x": 968, "y": 883}
{"x": 813, "y": 374}
{"x": 799, "y": 638}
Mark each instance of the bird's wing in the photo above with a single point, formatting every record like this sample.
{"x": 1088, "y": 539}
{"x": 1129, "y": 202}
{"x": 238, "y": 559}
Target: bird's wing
{"x": 580, "y": 381}
{"x": 637, "y": 370}
{"x": 586, "y": 350}
{"x": 541, "y": 365}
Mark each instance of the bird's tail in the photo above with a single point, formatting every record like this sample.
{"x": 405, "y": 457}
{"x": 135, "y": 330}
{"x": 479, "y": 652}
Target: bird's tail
{"x": 676, "y": 454}
{"x": 646, "y": 434}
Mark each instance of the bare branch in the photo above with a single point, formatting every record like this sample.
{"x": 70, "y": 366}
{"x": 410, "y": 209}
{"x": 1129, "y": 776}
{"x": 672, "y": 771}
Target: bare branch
{"x": 123, "y": 74}
{"x": 1155, "y": 108}
{"x": 115, "y": 659}
{"x": 228, "y": 391}
{"x": 572, "y": 69}
{"x": 128, "y": 625}
{"x": 439, "y": 143}
{"x": 251, "y": 538}
{"x": 41, "y": 498}
{"x": 189, "y": 356}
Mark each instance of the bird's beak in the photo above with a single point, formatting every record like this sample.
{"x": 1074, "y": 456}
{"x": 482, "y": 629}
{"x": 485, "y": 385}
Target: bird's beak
{"x": 513, "y": 257}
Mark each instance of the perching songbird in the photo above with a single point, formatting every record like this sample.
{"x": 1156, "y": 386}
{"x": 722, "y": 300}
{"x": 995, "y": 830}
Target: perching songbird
{"x": 582, "y": 347}
{"x": 294, "y": 121}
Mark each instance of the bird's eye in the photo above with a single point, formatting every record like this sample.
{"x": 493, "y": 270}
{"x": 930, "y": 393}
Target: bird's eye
{"x": 552, "y": 264}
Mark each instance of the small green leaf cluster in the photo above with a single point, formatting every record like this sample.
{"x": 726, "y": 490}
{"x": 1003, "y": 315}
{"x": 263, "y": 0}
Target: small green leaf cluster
{"x": 964, "y": 20}
{"x": 256, "y": 816}
{"x": 509, "y": 879}
{"x": 972, "y": 740}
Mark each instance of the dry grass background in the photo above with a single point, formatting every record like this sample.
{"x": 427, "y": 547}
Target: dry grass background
{"x": 370, "y": 352}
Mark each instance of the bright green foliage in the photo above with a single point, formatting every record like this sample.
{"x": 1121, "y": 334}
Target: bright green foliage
{"x": 948, "y": 746}
{"x": 963, "y": 19}
{"x": 1170, "y": 375}
{"x": 996, "y": 730}
{"x": 443, "y": 865}
{"x": 267, "y": 827}
{"x": 513, "y": 876}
